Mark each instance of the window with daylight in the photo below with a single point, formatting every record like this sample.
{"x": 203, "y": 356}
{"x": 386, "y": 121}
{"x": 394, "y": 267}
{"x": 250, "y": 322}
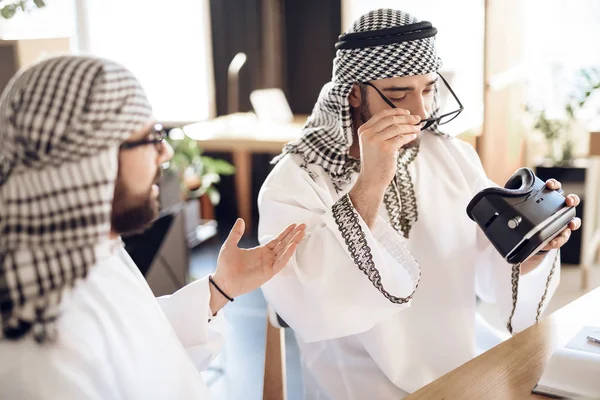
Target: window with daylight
{"x": 166, "y": 44}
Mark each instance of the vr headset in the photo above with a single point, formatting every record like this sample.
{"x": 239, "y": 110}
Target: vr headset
{"x": 522, "y": 217}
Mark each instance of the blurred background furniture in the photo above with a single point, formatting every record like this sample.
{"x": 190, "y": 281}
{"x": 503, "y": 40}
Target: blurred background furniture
{"x": 242, "y": 135}
{"x": 16, "y": 54}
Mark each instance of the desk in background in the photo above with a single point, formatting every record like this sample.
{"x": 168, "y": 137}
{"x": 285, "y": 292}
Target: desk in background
{"x": 512, "y": 369}
{"x": 242, "y": 135}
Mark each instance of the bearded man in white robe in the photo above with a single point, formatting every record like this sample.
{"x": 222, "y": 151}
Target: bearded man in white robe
{"x": 382, "y": 291}
{"x": 80, "y": 159}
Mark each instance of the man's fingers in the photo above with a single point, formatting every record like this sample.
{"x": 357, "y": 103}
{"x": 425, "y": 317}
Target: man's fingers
{"x": 572, "y": 200}
{"x": 561, "y": 239}
{"x": 575, "y": 224}
{"x": 282, "y": 260}
{"x": 236, "y": 233}
{"x": 299, "y": 235}
{"x": 279, "y": 247}
{"x": 566, "y": 235}
{"x": 296, "y": 238}
{"x": 394, "y": 131}
{"x": 272, "y": 243}
{"x": 385, "y": 123}
{"x": 400, "y": 141}
{"x": 553, "y": 184}
{"x": 383, "y": 114}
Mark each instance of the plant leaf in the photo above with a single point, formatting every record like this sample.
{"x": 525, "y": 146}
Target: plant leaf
{"x": 213, "y": 195}
{"x": 8, "y": 11}
{"x": 210, "y": 178}
{"x": 220, "y": 167}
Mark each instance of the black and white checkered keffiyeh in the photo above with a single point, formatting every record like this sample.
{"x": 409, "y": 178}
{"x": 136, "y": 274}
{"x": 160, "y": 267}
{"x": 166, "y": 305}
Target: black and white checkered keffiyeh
{"x": 61, "y": 124}
{"x": 327, "y": 135}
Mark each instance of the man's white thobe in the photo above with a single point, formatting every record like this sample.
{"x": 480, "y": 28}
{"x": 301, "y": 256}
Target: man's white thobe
{"x": 356, "y": 344}
{"x": 117, "y": 341}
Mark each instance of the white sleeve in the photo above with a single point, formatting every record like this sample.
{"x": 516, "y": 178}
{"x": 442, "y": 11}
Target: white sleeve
{"x": 55, "y": 371}
{"x": 494, "y": 274}
{"x": 55, "y": 384}
{"x": 343, "y": 278}
{"x": 188, "y": 311}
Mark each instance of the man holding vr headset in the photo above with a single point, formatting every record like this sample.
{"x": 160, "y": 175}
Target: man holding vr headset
{"x": 382, "y": 292}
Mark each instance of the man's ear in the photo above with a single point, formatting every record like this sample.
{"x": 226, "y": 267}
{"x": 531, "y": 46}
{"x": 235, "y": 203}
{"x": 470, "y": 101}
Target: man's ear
{"x": 355, "y": 96}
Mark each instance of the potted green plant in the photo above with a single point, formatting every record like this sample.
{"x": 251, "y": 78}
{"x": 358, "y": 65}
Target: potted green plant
{"x": 553, "y": 130}
{"x": 9, "y": 8}
{"x": 198, "y": 174}
{"x": 558, "y": 131}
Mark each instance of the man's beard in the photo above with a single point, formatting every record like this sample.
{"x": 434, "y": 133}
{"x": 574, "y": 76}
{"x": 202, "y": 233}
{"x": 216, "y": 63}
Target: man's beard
{"x": 133, "y": 215}
{"x": 365, "y": 115}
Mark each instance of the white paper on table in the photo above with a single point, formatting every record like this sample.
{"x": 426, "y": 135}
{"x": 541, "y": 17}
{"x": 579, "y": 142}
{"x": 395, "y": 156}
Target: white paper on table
{"x": 574, "y": 370}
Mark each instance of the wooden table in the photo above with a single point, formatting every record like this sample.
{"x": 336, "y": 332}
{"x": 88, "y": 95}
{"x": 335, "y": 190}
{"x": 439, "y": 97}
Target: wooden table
{"x": 242, "y": 135}
{"x": 511, "y": 369}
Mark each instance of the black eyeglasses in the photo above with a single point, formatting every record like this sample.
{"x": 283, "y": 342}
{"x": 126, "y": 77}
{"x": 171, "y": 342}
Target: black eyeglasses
{"x": 441, "y": 120}
{"x": 156, "y": 136}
